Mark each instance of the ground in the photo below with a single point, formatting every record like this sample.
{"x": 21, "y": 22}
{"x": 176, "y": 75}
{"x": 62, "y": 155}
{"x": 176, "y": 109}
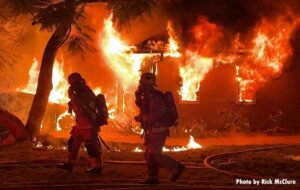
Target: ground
{"x": 42, "y": 174}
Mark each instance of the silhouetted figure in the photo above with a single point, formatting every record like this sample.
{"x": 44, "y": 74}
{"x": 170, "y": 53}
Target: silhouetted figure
{"x": 83, "y": 103}
{"x": 153, "y": 109}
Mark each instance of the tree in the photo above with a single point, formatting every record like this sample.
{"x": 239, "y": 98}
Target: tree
{"x": 9, "y": 37}
{"x": 60, "y": 17}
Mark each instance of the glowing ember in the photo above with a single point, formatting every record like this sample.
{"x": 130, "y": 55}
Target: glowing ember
{"x": 137, "y": 130}
{"x": 116, "y": 149}
{"x": 38, "y": 145}
{"x": 137, "y": 149}
{"x": 271, "y": 49}
{"x": 192, "y": 73}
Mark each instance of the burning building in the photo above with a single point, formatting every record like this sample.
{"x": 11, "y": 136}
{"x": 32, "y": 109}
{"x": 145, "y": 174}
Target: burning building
{"x": 219, "y": 72}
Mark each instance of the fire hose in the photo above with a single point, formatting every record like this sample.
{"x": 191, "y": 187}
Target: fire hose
{"x": 211, "y": 157}
{"x": 125, "y": 185}
{"x": 190, "y": 165}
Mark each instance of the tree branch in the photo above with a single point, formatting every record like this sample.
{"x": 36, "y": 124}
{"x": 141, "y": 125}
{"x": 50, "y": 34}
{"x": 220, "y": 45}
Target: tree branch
{"x": 78, "y": 2}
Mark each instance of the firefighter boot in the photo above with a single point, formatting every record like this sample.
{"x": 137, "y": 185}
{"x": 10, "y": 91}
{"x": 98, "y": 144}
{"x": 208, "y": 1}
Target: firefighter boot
{"x": 151, "y": 180}
{"x": 69, "y": 164}
{"x": 96, "y": 166}
{"x": 177, "y": 172}
{"x": 66, "y": 166}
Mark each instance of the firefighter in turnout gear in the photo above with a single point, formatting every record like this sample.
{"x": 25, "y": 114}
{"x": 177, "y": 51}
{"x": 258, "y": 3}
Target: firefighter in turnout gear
{"x": 152, "y": 108}
{"x": 85, "y": 131}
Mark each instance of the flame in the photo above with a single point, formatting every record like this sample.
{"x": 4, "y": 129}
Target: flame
{"x": 173, "y": 49}
{"x": 117, "y": 54}
{"x": 271, "y": 49}
{"x": 191, "y": 145}
{"x": 198, "y": 58}
{"x": 97, "y": 90}
{"x": 127, "y": 65}
{"x": 192, "y": 73}
{"x": 60, "y": 85}
{"x": 33, "y": 78}
{"x": 58, "y": 93}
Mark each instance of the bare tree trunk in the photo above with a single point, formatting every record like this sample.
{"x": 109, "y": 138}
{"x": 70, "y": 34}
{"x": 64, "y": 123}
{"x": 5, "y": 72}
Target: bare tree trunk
{"x": 44, "y": 85}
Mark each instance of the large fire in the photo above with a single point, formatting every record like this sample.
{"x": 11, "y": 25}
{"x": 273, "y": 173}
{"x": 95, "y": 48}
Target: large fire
{"x": 58, "y": 94}
{"x": 192, "y": 73}
{"x": 270, "y": 51}
{"x": 198, "y": 58}
{"x": 195, "y": 63}
{"x": 60, "y": 86}
{"x": 33, "y": 78}
{"x": 173, "y": 49}
{"x": 117, "y": 54}
{"x": 264, "y": 61}
{"x": 193, "y": 67}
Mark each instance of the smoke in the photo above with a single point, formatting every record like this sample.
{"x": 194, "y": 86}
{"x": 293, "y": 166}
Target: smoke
{"x": 234, "y": 16}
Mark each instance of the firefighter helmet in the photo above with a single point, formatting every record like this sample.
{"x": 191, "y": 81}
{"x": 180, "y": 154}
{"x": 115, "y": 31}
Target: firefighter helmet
{"x": 74, "y": 78}
{"x": 148, "y": 79}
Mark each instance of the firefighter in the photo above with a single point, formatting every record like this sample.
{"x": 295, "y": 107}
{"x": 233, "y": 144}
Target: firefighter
{"x": 152, "y": 106}
{"x": 82, "y": 102}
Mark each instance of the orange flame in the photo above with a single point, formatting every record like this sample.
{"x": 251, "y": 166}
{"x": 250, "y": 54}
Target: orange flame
{"x": 271, "y": 49}
{"x": 198, "y": 59}
{"x": 192, "y": 73}
{"x": 33, "y": 78}
{"x": 173, "y": 49}
{"x": 117, "y": 54}
{"x": 191, "y": 145}
{"x": 60, "y": 86}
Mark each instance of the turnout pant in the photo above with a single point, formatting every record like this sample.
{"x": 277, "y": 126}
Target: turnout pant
{"x": 91, "y": 142}
{"x": 154, "y": 156}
